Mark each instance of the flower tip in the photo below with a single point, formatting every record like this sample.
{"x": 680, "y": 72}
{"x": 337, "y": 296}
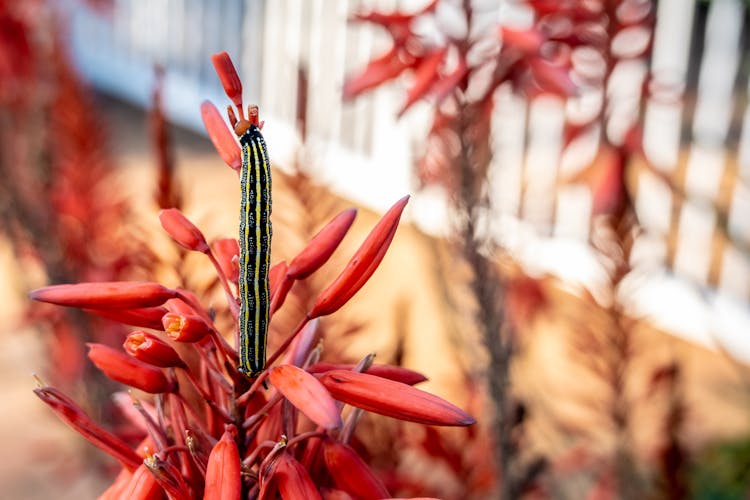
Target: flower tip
{"x": 321, "y": 246}
{"x": 182, "y": 230}
{"x": 230, "y": 80}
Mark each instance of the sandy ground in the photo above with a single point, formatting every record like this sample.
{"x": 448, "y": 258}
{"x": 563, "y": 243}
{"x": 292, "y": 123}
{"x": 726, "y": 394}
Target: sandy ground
{"x": 401, "y": 313}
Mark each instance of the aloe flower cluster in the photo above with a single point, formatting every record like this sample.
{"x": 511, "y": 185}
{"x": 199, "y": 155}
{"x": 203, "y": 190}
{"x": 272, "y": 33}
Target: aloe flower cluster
{"x": 205, "y": 429}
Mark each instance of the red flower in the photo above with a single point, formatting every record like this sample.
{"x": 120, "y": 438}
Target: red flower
{"x": 362, "y": 264}
{"x": 351, "y": 473}
{"x": 223, "y": 479}
{"x": 230, "y": 80}
{"x": 75, "y": 417}
{"x": 144, "y": 317}
{"x": 124, "y": 369}
{"x": 321, "y": 246}
{"x": 185, "y": 327}
{"x": 182, "y": 230}
{"x": 397, "y": 373}
{"x": 393, "y": 399}
{"x": 292, "y": 479}
{"x": 150, "y": 349}
{"x": 105, "y": 295}
{"x": 307, "y": 394}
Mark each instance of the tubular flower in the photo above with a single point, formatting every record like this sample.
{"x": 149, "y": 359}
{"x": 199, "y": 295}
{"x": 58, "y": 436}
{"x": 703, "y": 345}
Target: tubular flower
{"x": 393, "y": 399}
{"x": 307, "y": 394}
{"x": 111, "y": 295}
{"x": 124, "y": 369}
{"x": 150, "y": 349}
{"x": 182, "y": 230}
{"x": 362, "y": 265}
{"x": 74, "y": 416}
{"x": 351, "y": 473}
{"x": 223, "y": 481}
{"x": 321, "y": 247}
{"x": 185, "y": 327}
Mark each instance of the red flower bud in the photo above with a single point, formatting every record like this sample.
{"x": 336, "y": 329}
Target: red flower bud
{"x": 185, "y": 327}
{"x": 105, "y": 295}
{"x": 230, "y": 80}
{"x": 397, "y": 373}
{"x": 222, "y": 138}
{"x": 227, "y": 251}
{"x": 150, "y": 349}
{"x": 321, "y": 246}
{"x": 392, "y": 399}
{"x": 182, "y": 230}
{"x": 144, "y": 317}
{"x": 362, "y": 264}
{"x": 351, "y": 473}
{"x": 122, "y": 368}
{"x": 307, "y": 394}
{"x": 74, "y": 416}
{"x": 292, "y": 479}
{"x": 223, "y": 481}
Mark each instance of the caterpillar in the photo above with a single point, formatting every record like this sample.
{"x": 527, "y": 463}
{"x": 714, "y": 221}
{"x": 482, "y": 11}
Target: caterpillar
{"x": 255, "y": 245}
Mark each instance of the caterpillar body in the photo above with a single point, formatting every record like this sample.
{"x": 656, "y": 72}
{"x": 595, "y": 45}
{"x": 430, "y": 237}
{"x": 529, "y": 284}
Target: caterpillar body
{"x": 255, "y": 245}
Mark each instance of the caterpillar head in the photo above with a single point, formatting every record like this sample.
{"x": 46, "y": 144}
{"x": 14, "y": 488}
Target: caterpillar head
{"x": 242, "y": 125}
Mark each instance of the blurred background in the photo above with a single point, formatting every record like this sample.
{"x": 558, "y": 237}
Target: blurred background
{"x": 579, "y": 227}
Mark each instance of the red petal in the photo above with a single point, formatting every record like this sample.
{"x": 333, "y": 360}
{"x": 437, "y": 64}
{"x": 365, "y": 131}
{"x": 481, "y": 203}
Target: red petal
{"x": 222, "y": 139}
{"x": 105, "y": 295}
{"x": 223, "y": 479}
{"x": 182, "y": 230}
{"x": 122, "y": 368}
{"x": 230, "y": 80}
{"x": 321, "y": 246}
{"x": 307, "y": 394}
{"x": 351, "y": 473}
{"x": 393, "y": 399}
{"x": 362, "y": 264}
{"x": 397, "y": 373}
{"x": 74, "y": 416}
